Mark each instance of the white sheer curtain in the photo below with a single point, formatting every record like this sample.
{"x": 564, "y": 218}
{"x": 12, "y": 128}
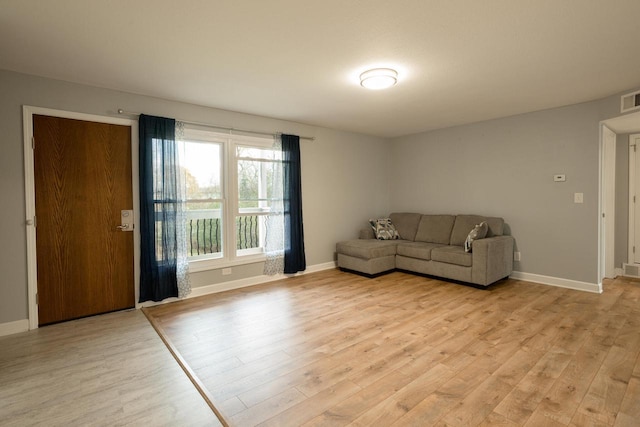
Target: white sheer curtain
{"x": 274, "y": 222}
{"x": 182, "y": 265}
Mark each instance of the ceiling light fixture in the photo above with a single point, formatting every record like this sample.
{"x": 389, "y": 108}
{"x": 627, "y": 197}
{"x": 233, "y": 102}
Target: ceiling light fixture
{"x": 378, "y": 78}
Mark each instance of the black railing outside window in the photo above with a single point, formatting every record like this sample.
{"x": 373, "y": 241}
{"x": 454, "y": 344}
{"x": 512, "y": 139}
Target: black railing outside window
{"x": 204, "y": 232}
{"x": 247, "y": 229}
{"x": 203, "y": 236}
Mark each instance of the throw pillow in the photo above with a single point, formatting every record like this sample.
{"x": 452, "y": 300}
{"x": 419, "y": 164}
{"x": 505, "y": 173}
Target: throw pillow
{"x": 384, "y": 229}
{"x": 478, "y": 232}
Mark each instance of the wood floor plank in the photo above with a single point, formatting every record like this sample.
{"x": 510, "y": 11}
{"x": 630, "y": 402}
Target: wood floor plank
{"x": 333, "y": 348}
{"x": 104, "y": 370}
{"x": 477, "y": 405}
{"x": 581, "y": 419}
{"x": 313, "y": 406}
{"x": 497, "y": 420}
{"x": 542, "y": 419}
{"x": 406, "y": 398}
{"x": 524, "y": 398}
{"x": 630, "y": 406}
{"x": 602, "y": 401}
{"x": 269, "y": 407}
{"x": 565, "y": 396}
{"x": 348, "y": 410}
{"x": 481, "y": 402}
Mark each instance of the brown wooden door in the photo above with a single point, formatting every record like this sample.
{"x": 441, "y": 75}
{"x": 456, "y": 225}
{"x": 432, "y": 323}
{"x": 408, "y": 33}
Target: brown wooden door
{"x": 82, "y": 182}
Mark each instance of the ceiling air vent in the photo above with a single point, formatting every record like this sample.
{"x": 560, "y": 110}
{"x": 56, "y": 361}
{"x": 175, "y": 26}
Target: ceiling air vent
{"x": 630, "y": 102}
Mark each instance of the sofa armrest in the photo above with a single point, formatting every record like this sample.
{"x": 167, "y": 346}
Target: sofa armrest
{"x": 492, "y": 259}
{"x": 367, "y": 233}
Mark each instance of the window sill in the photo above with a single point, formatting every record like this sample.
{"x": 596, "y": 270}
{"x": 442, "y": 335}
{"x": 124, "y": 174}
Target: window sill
{"x": 216, "y": 264}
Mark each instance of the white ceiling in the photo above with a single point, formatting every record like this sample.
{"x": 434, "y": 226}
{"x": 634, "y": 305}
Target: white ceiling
{"x": 458, "y": 61}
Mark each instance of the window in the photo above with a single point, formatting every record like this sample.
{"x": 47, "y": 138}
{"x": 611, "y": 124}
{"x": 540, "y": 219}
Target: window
{"x": 205, "y": 201}
{"x": 230, "y": 181}
{"x": 258, "y": 176}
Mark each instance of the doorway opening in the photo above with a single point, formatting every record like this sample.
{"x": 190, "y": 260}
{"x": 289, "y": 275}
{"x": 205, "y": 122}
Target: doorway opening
{"x": 614, "y": 242}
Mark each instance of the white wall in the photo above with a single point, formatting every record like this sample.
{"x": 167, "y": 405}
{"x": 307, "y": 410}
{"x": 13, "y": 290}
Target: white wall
{"x": 344, "y": 175}
{"x": 505, "y": 168}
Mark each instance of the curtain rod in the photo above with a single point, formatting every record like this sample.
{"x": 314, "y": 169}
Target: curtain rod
{"x": 130, "y": 113}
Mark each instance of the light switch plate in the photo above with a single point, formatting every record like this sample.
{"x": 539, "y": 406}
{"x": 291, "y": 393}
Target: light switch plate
{"x": 578, "y": 198}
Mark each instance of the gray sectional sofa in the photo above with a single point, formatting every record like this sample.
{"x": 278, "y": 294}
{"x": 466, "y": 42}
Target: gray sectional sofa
{"x": 433, "y": 245}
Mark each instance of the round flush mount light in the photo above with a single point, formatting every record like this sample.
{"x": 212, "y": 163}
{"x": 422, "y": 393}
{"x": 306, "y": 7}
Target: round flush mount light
{"x": 378, "y": 78}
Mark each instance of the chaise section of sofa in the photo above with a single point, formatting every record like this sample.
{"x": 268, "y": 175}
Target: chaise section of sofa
{"x": 368, "y": 256}
{"x": 373, "y": 257}
{"x": 433, "y": 245}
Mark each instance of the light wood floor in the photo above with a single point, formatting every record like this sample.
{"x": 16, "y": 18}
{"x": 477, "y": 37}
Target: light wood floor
{"x": 333, "y": 348}
{"x": 105, "y": 370}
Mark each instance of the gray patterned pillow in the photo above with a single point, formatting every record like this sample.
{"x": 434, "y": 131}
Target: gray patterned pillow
{"x": 478, "y": 232}
{"x": 384, "y": 229}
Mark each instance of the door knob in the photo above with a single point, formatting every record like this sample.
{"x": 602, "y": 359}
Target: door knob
{"x": 126, "y": 220}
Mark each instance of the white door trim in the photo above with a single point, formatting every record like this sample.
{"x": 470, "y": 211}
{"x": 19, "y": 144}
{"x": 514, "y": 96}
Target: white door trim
{"x": 608, "y": 199}
{"x": 634, "y": 141}
{"x": 603, "y": 186}
{"x": 30, "y": 195}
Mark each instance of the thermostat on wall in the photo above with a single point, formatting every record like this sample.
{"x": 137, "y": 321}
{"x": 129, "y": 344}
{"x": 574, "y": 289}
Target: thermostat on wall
{"x": 560, "y": 178}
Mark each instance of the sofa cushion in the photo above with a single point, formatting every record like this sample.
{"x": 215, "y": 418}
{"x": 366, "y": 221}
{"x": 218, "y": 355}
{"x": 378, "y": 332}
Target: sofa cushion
{"x": 496, "y": 226}
{"x": 452, "y": 255}
{"x": 366, "y": 233}
{"x": 384, "y": 229}
{"x": 435, "y": 229}
{"x": 478, "y": 232}
{"x": 368, "y": 266}
{"x": 367, "y": 249}
{"x": 420, "y": 250}
{"x": 465, "y": 223}
{"x": 406, "y": 224}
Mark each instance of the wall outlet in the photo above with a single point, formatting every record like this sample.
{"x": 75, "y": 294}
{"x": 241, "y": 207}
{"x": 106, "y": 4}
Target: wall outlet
{"x": 560, "y": 177}
{"x": 226, "y": 271}
{"x": 516, "y": 256}
{"x": 578, "y": 198}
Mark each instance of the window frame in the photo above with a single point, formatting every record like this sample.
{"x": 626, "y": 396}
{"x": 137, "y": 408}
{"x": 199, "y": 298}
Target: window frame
{"x": 259, "y": 212}
{"x": 230, "y": 197}
{"x": 203, "y": 137}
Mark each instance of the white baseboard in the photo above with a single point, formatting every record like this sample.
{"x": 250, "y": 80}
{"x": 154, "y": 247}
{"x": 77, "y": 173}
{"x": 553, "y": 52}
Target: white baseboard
{"x": 15, "y": 327}
{"x": 256, "y": 280}
{"x": 618, "y": 272}
{"x": 557, "y": 281}
{"x": 240, "y": 283}
{"x": 23, "y": 325}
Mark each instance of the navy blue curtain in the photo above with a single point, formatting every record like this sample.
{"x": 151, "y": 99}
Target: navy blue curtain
{"x": 294, "y": 258}
{"x": 158, "y": 208}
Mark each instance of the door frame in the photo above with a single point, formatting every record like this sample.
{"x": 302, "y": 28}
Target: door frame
{"x": 30, "y": 196}
{"x": 634, "y": 141}
{"x": 624, "y": 124}
{"x": 607, "y": 204}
